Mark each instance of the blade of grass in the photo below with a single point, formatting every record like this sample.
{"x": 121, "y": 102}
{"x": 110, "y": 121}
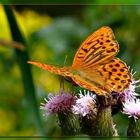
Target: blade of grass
{"x": 22, "y": 58}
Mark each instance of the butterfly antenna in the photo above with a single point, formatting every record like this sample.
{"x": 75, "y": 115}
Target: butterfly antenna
{"x": 65, "y": 60}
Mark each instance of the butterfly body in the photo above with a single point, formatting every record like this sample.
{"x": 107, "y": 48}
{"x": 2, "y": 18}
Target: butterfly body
{"x": 95, "y": 66}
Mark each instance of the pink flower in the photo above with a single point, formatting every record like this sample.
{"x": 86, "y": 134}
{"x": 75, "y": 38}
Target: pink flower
{"x": 130, "y": 92}
{"x": 131, "y": 105}
{"x": 61, "y": 102}
{"x": 85, "y": 104}
{"x": 132, "y": 108}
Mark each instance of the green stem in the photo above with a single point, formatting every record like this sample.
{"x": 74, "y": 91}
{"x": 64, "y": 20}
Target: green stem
{"x": 104, "y": 123}
{"x": 69, "y": 124}
{"x": 133, "y": 127}
{"x": 22, "y": 58}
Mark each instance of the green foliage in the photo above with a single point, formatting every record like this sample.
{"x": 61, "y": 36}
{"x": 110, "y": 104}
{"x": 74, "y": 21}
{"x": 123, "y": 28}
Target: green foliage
{"x": 22, "y": 57}
{"x": 72, "y": 1}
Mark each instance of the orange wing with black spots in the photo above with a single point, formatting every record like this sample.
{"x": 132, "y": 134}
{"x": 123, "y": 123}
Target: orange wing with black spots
{"x": 116, "y": 74}
{"x": 95, "y": 66}
{"x": 98, "y": 48}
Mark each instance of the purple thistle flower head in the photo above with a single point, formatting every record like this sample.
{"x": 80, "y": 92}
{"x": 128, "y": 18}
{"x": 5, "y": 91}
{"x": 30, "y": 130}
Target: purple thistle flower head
{"x": 61, "y": 102}
{"x": 131, "y": 105}
{"x": 85, "y": 104}
{"x": 132, "y": 108}
{"x": 130, "y": 93}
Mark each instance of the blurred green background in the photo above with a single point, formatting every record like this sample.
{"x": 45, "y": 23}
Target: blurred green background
{"x": 71, "y": 1}
{"x": 53, "y": 32}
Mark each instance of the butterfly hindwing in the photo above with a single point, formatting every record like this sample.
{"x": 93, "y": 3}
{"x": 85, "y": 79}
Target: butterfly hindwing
{"x": 118, "y": 75}
{"x": 112, "y": 76}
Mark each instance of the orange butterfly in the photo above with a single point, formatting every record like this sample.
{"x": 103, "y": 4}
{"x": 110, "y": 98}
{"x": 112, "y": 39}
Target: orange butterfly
{"x": 95, "y": 66}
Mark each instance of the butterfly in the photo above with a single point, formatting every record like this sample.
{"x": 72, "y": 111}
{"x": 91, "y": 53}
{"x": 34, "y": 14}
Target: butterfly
{"x": 95, "y": 66}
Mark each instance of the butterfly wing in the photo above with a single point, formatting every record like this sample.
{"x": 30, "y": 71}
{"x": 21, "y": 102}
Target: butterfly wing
{"x": 112, "y": 76}
{"x": 95, "y": 66}
{"x": 116, "y": 74}
{"x": 64, "y": 71}
{"x": 96, "y": 49}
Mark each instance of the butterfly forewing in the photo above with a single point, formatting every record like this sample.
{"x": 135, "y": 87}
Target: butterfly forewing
{"x": 64, "y": 71}
{"x": 96, "y": 49}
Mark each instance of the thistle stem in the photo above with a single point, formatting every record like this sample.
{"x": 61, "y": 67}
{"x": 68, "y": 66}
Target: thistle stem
{"x": 69, "y": 124}
{"x": 133, "y": 127}
{"x": 104, "y": 123}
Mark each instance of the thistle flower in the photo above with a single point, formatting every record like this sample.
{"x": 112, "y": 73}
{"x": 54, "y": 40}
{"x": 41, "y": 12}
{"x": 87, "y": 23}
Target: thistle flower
{"x": 132, "y": 108}
{"x": 131, "y": 105}
{"x": 59, "y": 103}
{"x": 85, "y": 103}
{"x": 127, "y": 95}
{"x": 130, "y": 93}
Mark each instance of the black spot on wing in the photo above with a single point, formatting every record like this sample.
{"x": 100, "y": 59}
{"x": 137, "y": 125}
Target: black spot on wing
{"x": 84, "y": 49}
